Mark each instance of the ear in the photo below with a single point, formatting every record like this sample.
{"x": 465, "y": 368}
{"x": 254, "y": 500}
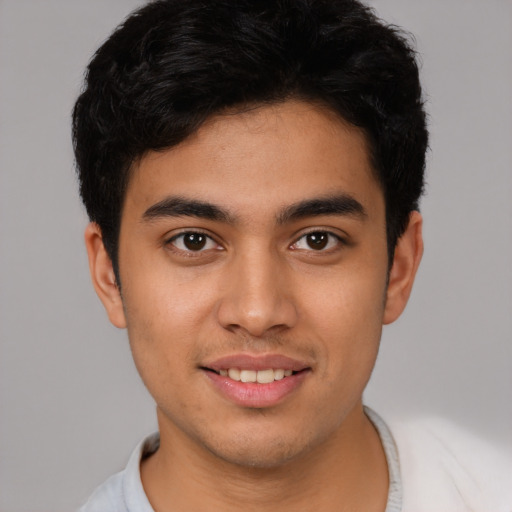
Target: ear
{"x": 103, "y": 276}
{"x": 406, "y": 260}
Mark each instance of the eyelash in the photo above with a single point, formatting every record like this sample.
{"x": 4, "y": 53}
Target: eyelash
{"x": 332, "y": 237}
{"x": 187, "y": 251}
{"x": 328, "y": 248}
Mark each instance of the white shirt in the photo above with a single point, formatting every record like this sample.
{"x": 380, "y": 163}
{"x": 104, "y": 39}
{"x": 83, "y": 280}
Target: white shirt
{"x": 433, "y": 466}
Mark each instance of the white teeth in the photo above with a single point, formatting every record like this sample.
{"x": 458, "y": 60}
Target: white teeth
{"x": 261, "y": 376}
{"x": 265, "y": 376}
{"x": 234, "y": 373}
{"x": 248, "y": 375}
{"x": 278, "y": 374}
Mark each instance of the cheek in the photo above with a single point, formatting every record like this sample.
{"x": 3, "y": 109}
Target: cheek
{"x": 346, "y": 302}
{"x": 167, "y": 300}
{"x": 347, "y": 319}
{"x": 165, "y": 317}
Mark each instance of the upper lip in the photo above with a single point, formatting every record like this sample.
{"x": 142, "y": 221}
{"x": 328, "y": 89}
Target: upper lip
{"x": 255, "y": 362}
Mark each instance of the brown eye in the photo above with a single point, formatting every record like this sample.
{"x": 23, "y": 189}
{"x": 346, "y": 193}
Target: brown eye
{"x": 318, "y": 240}
{"x": 193, "y": 241}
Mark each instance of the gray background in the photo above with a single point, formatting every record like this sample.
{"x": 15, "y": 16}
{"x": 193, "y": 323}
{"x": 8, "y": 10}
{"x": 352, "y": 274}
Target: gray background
{"x": 72, "y": 406}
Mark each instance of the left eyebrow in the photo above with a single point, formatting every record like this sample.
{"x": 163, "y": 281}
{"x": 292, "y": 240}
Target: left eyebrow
{"x": 341, "y": 204}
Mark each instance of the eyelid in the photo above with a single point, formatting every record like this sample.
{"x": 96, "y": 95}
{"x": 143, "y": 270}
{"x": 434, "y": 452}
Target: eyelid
{"x": 339, "y": 238}
{"x": 168, "y": 241}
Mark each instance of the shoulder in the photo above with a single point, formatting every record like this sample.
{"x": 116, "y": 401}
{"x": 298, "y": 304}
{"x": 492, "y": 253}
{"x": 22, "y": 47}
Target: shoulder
{"x": 107, "y": 497}
{"x": 123, "y": 492}
{"x": 443, "y": 464}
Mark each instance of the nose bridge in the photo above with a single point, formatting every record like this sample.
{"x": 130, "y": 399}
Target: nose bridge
{"x": 258, "y": 296}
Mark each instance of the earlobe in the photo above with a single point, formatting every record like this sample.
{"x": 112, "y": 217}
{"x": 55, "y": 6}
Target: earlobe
{"x": 103, "y": 276}
{"x": 408, "y": 253}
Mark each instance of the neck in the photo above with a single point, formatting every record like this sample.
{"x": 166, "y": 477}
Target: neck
{"x": 348, "y": 471}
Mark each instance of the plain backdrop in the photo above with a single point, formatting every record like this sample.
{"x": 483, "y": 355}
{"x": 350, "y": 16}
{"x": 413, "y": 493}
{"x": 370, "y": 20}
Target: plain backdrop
{"x": 72, "y": 405}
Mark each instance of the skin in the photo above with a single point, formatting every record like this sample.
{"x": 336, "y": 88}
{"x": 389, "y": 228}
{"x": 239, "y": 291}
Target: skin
{"x": 257, "y": 287}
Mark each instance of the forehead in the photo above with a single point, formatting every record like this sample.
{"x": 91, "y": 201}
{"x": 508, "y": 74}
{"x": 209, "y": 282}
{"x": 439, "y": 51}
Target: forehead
{"x": 260, "y": 159}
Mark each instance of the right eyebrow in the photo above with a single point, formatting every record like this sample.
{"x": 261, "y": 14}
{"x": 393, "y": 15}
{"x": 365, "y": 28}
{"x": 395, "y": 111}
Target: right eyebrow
{"x": 338, "y": 204}
{"x": 177, "y": 206}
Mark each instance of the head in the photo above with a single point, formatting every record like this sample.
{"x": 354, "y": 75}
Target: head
{"x": 252, "y": 170}
{"x": 172, "y": 65}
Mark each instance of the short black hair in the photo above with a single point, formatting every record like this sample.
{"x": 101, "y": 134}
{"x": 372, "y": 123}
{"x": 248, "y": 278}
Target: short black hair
{"x": 172, "y": 64}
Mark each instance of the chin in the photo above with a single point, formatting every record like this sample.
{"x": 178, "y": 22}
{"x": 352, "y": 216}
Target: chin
{"x": 258, "y": 458}
{"x": 253, "y": 451}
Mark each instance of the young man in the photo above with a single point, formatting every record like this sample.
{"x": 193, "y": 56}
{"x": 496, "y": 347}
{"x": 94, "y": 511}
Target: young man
{"x": 252, "y": 172}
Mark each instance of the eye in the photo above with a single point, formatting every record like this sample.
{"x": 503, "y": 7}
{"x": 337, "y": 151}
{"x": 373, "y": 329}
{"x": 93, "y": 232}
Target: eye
{"x": 317, "y": 241}
{"x": 193, "y": 241}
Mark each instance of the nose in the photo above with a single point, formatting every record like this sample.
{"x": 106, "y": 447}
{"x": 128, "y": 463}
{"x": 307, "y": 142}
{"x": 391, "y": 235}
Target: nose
{"x": 257, "y": 298}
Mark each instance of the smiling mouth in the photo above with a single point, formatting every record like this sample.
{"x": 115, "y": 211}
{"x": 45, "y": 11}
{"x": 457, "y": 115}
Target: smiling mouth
{"x": 256, "y": 382}
{"x": 255, "y": 376}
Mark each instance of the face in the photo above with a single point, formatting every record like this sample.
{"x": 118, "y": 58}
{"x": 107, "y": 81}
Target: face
{"x": 255, "y": 251}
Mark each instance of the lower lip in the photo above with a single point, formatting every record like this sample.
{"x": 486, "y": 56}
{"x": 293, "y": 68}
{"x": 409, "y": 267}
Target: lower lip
{"x": 252, "y": 394}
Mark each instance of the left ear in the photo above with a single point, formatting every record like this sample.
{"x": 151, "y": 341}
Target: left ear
{"x": 407, "y": 257}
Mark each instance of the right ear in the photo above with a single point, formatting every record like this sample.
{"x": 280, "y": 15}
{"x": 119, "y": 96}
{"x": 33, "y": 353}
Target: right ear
{"x": 103, "y": 276}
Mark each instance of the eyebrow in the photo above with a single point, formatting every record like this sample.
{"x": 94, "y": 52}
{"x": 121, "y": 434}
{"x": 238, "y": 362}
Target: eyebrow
{"x": 176, "y": 206}
{"x": 340, "y": 204}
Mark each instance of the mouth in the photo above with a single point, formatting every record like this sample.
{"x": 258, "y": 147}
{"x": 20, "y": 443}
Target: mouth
{"x": 259, "y": 376}
{"x": 256, "y": 381}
